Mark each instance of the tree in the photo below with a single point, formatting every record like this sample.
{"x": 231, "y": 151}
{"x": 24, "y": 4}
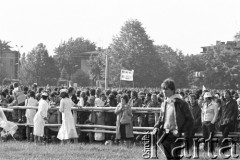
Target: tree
{"x": 222, "y": 67}
{"x": 134, "y": 50}
{"x": 68, "y": 53}
{"x": 97, "y": 64}
{"x": 4, "y": 46}
{"x": 237, "y": 36}
{"x": 38, "y": 67}
{"x": 175, "y": 63}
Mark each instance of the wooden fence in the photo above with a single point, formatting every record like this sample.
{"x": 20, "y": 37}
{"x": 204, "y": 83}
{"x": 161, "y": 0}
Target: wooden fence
{"x": 104, "y": 128}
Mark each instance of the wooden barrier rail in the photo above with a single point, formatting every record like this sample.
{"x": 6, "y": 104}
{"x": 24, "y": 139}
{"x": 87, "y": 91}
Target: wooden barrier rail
{"x": 111, "y": 129}
{"x": 104, "y": 128}
{"x": 105, "y": 109}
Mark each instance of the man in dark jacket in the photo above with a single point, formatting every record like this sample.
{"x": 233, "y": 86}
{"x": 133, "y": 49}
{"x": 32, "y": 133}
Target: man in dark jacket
{"x": 175, "y": 118}
{"x": 228, "y": 115}
{"x": 196, "y": 112}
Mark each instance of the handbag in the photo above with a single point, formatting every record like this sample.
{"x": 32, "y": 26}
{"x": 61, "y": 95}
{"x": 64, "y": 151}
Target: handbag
{"x": 126, "y": 118}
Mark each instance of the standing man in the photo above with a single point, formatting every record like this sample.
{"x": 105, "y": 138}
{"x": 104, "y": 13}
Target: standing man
{"x": 175, "y": 118}
{"x": 196, "y": 112}
{"x": 228, "y": 115}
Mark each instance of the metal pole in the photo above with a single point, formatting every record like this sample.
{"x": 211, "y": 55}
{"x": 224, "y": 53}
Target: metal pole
{"x": 106, "y": 73}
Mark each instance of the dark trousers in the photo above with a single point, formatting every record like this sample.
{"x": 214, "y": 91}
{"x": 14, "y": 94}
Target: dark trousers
{"x": 225, "y": 129}
{"x": 208, "y": 129}
{"x": 192, "y": 135}
{"x": 168, "y": 145}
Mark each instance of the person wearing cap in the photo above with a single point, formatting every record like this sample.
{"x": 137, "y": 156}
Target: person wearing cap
{"x": 175, "y": 118}
{"x": 40, "y": 118}
{"x": 209, "y": 117}
{"x": 228, "y": 115}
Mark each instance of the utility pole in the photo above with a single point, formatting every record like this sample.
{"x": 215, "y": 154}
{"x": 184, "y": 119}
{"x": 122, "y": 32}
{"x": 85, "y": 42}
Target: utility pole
{"x": 106, "y": 73}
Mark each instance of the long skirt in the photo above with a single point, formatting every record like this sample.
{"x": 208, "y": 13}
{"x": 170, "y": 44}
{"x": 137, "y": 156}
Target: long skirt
{"x": 68, "y": 129}
{"x": 39, "y": 123}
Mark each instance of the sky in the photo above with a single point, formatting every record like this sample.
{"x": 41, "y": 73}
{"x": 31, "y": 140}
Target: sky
{"x": 185, "y": 25}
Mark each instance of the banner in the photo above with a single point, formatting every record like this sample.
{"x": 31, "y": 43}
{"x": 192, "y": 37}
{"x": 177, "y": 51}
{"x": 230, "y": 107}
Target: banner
{"x": 75, "y": 85}
{"x": 126, "y": 75}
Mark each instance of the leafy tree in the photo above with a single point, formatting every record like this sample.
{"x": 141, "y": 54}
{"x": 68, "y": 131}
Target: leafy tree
{"x": 175, "y": 64}
{"x": 68, "y": 53}
{"x": 4, "y": 46}
{"x": 134, "y": 50}
{"x": 237, "y": 36}
{"x": 97, "y": 64}
{"x": 39, "y": 67}
{"x": 222, "y": 67}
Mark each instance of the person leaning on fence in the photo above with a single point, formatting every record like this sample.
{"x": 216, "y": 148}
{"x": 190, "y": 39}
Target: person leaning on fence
{"x": 19, "y": 100}
{"x": 209, "y": 117}
{"x": 31, "y": 101}
{"x": 228, "y": 116}
{"x": 136, "y": 102}
{"x": 124, "y": 126}
{"x": 153, "y": 104}
{"x": 40, "y": 118}
{"x": 67, "y": 130}
{"x": 175, "y": 118}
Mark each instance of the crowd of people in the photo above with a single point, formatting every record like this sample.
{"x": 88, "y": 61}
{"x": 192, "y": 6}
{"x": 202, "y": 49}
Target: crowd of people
{"x": 208, "y": 110}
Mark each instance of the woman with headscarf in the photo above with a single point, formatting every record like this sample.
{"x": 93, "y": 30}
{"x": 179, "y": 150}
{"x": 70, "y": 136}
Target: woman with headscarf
{"x": 40, "y": 118}
{"x": 124, "y": 126}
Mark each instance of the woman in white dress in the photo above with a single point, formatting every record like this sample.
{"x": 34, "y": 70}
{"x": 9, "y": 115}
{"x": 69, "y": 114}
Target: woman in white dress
{"x": 40, "y": 118}
{"x": 68, "y": 129}
{"x": 30, "y": 113}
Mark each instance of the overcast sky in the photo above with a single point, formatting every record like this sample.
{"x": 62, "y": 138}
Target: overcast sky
{"x": 186, "y": 25}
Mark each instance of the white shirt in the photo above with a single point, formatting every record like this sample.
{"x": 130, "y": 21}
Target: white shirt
{"x": 209, "y": 112}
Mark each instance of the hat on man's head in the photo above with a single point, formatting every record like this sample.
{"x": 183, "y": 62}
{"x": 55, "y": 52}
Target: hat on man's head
{"x": 207, "y": 94}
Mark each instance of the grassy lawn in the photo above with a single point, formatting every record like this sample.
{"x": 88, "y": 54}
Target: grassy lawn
{"x": 25, "y": 150}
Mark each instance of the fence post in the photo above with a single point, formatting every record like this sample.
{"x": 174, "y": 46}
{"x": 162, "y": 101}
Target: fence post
{"x": 59, "y": 118}
{"x": 28, "y": 132}
{"x": 75, "y": 116}
{"x": 156, "y": 117}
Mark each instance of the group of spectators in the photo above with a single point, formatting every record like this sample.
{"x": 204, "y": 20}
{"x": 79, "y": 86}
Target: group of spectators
{"x": 212, "y": 110}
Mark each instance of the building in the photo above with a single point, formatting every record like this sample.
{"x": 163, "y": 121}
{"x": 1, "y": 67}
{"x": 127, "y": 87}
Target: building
{"x": 9, "y": 64}
{"x": 85, "y": 66}
{"x": 228, "y": 46}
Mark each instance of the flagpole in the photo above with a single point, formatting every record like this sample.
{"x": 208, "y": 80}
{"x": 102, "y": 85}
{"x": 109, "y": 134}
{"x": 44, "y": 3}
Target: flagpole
{"x": 120, "y": 85}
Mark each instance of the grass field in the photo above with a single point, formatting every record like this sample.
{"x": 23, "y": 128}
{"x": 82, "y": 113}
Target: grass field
{"x": 25, "y": 150}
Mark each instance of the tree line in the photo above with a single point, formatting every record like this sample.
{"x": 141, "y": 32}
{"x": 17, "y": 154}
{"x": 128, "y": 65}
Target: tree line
{"x": 131, "y": 49}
